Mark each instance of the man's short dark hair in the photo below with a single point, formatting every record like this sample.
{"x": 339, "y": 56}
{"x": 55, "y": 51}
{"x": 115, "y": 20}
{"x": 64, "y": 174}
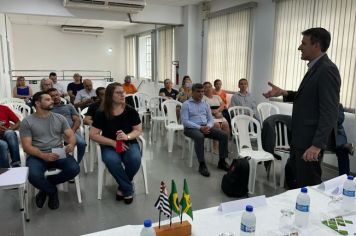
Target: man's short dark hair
{"x": 52, "y": 74}
{"x": 197, "y": 86}
{"x": 242, "y": 79}
{"x": 319, "y": 35}
{"x": 51, "y": 90}
{"x": 37, "y": 97}
{"x": 98, "y": 90}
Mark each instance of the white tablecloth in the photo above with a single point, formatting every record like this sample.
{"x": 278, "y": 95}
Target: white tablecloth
{"x": 210, "y": 221}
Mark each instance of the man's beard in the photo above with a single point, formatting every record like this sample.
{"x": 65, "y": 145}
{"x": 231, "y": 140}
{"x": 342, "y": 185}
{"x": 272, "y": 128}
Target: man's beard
{"x": 47, "y": 108}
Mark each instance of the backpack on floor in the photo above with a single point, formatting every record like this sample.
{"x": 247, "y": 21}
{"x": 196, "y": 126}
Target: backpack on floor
{"x": 235, "y": 182}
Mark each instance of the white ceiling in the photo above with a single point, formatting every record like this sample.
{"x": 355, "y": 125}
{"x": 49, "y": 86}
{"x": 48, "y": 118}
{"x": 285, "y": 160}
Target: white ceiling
{"x": 57, "y": 21}
{"x": 178, "y": 3}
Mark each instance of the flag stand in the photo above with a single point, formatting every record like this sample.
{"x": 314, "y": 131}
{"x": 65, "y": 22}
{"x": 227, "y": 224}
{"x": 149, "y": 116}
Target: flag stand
{"x": 177, "y": 229}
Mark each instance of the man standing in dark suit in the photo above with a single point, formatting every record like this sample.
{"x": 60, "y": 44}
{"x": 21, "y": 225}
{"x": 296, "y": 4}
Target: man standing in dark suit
{"x": 315, "y": 107}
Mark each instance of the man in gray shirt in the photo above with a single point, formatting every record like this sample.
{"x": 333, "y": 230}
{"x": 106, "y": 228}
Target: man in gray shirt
{"x": 244, "y": 98}
{"x": 41, "y": 136}
{"x": 85, "y": 96}
{"x": 72, "y": 116}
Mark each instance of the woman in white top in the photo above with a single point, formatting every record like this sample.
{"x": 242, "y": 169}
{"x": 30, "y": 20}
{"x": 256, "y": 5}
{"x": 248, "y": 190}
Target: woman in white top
{"x": 217, "y": 106}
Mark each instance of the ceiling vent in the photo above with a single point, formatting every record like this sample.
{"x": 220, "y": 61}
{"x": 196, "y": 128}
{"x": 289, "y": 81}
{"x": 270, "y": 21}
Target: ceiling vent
{"x": 128, "y": 6}
{"x": 82, "y": 29}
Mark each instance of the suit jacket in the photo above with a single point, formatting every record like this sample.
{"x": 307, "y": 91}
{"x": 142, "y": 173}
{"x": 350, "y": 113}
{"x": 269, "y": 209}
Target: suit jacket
{"x": 315, "y": 107}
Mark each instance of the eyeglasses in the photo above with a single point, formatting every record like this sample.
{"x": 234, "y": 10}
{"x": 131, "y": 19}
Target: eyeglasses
{"x": 121, "y": 93}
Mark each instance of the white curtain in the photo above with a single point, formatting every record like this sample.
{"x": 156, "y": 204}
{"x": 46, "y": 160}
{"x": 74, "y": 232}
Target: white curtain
{"x": 295, "y": 16}
{"x": 229, "y": 48}
{"x": 165, "y": 53}
{"x": 131, "y": 56}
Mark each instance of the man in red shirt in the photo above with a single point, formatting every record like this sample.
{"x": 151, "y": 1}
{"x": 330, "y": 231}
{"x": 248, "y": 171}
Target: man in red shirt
{"x": 8, "y": 137}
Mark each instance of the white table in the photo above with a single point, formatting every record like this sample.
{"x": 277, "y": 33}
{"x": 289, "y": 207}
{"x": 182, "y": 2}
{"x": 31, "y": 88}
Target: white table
{"x": 210, "y": 221}
{"x": 17, "y": 178}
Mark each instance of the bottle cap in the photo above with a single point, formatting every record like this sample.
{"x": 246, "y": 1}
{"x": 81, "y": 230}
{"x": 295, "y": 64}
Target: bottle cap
{"x": 304, "y": 190}
{"x": 147, "y": 223}
{"x": 249, "y": 208}
{"x": 350, "y": 177}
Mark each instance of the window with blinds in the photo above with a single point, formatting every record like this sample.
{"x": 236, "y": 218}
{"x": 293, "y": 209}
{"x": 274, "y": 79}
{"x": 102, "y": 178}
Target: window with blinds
{"x": 165, "y": 53}
{"x": 131, "y": 56}
{"x": 229, "y": 48}
{"x": 295, "y": 16}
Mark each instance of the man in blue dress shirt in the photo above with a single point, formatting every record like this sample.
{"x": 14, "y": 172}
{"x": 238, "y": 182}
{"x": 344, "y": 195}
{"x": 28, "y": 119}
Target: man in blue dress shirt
{"x": 198, "y": 124}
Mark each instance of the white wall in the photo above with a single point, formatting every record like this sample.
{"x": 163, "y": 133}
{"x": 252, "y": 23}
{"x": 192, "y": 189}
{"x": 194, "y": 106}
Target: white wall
{"x": 188, "y": 43}
{"x": 47, "y": 48}
{"x": 5, "y": 85}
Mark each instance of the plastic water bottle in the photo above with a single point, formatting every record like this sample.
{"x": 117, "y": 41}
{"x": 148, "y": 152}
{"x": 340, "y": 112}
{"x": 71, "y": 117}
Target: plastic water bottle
{"x": 147, "y": 229}
{"x": 248, "y": 222}
{"x": 302, "y": 208}
{"x": 348, "y": 194}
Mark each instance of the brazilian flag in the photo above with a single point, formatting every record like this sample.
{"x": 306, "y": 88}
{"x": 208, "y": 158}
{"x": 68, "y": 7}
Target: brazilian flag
{"x": 185, "y": 201}
{"x": 173, "y": 198}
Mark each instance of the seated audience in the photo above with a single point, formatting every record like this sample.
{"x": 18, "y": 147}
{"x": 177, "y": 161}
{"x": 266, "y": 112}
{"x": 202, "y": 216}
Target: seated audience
{"x": 198, "y": 124}
{"x": 46, "y": 84}
{"x": 343, "y": 148}
{"x": 100, "y": 93}
{"x": 129, "y": 88}
{"x": 222, "y": 94}
{"x": 72, "y": 116}
{"x": 217, "y": 106}
{"x": 118, "y": 121}
{"x": 244, "y": 98}
{"x": 219, "y": 91}
{"x": 85, "y": 97}
{"x": 185, "y": 92}
{"x": 168, "y": 91}
{"x": 8, "y": 138}
{"x": 56, "y": 85}
{"x": 41, "y": 136}
{"x": 74, "y": 87}
{"x": 21, "y": 90}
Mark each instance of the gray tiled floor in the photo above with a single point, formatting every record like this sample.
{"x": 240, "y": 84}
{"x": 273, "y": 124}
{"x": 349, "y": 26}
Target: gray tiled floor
{"x": 94, "y": 215}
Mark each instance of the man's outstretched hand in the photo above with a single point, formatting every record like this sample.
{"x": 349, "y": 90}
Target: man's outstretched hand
{"x": 275, "y": 91}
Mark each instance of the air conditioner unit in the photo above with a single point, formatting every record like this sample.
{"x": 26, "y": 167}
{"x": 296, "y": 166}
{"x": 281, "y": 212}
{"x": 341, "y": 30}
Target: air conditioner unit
{"x": 82, "y": 29}
{"x": 129, "y": 6}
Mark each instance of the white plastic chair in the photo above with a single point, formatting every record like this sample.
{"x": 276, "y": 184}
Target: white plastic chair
{"x": 190, "y": 146}
{"x": 282, "y": 148}
{"x": 64, "y": 100}
{"x": 240, "y": 110}
{"x": 157, "y": 117}
{"x": 102, "y": 168}
{"x": 11, "y": 100}
{"x": 169, "y": 108}
{"x": 266, "y": 109}
{"x": 84, "y": 132}
{"x": 21, "y": 109}
{"x": 240, "y": 124}
{"x": 64, "y": 186}
{"x": 141, "y": 105}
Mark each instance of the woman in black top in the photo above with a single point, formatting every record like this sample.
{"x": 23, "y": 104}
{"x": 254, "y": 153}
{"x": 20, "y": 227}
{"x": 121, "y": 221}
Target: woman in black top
{"x": 118, "y": 121}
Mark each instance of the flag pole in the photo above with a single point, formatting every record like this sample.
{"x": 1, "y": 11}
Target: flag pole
{"x": 170, "y": 218}
{"x": 181, "y": 216}
{"x": 159, "y": 219}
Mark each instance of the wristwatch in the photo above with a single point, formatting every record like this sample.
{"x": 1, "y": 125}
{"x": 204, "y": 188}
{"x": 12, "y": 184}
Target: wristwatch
{"x": 128, "y": 137}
